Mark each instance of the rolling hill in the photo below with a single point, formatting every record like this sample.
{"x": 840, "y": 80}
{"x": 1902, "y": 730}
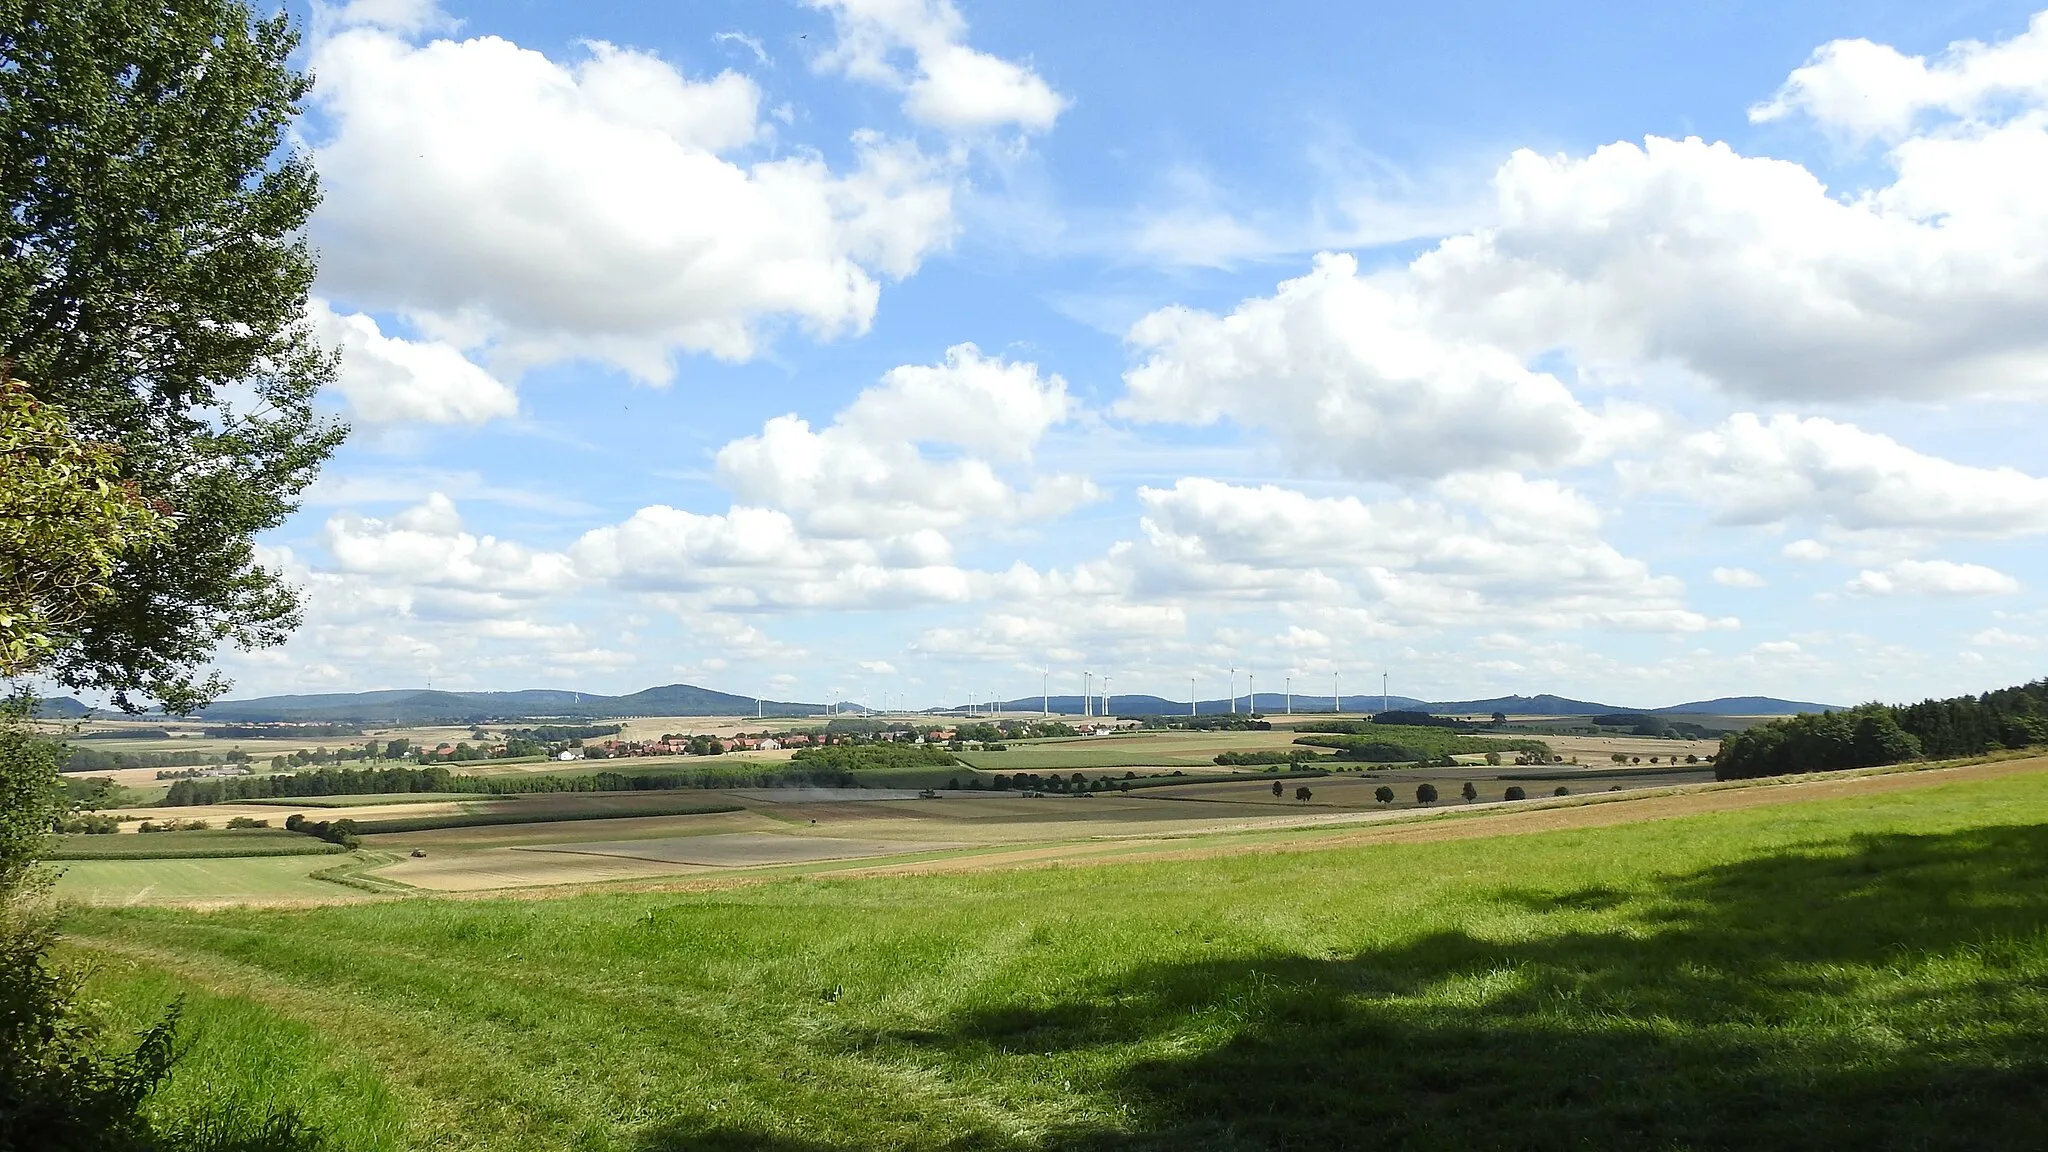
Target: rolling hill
{"x": 422, "y": 706}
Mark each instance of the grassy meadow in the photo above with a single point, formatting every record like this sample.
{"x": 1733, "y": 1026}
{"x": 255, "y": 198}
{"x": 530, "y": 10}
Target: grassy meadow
{"x": 1861, "y": 972}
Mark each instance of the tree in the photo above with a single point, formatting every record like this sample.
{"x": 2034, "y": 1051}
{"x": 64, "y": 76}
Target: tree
{"x": 153, "y": 284}
{"x": 1278, "y": 788}
{"x": 1561, "y": 790}
{"x": 1493, "y": 758}
{"x": 1500, "y": 718}
{"x": 1515, "y": 792}
{"x": 1469, "y": 792}
{"x": 1302, "y": 793}
{"x": 1383, "y": 794}
{"x": 66, "y": 519}
{"x": 1425, "y": 793}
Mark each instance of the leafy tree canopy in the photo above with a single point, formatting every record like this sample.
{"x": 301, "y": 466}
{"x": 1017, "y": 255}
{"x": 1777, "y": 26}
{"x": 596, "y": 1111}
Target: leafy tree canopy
{"x": 153, "y": 283}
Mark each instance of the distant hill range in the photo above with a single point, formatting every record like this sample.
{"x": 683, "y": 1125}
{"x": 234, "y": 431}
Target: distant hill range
{"x": 426, "y": 706}
{"x": 422, "y": 706}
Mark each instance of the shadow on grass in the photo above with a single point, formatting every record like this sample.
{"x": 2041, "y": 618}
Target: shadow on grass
{"x": 1893, "y": 995}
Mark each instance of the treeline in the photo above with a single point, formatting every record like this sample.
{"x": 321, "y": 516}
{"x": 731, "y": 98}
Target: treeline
{"x": 861, "y": 757}
{"x": 261, "y": 731}
{"x": 78, "y": 758}
{"x": 1253, "y": 759}
{"x": 1876, "y": 734}
{"x": 1213, "y": 722}
{"x": 1405, "y": 744}
{"x": 561, "y": 733}
{"x": 434, "y": 778}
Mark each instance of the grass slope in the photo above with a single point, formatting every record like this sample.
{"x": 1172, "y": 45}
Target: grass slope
{"x": 1868, "y": 972}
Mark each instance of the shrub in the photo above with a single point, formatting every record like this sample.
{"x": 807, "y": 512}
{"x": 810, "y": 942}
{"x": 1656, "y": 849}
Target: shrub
{"x": 1562, "y": 791}
{"x": 1383, "y": 794}
{"x": 1515, "y": 792}
{"x": 1278, "y": 788}
{"x": 247, "y": 822}
{"x": 1302, "y": 793}
{"x": 1469, "y": 792}
{"x": 1493, "y": 758}
{"x": 1425, "y": 793}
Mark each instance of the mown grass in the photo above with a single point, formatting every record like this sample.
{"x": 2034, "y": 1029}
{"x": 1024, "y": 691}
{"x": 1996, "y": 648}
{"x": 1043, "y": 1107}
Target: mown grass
{"x": 1868, "y": 972}
{"x": 239, "y": 878}
{"x": 219, "y": 843}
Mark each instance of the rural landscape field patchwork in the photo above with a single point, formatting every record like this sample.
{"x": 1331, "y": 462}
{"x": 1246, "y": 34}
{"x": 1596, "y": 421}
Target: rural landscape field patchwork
{"x": 846, "y": 575}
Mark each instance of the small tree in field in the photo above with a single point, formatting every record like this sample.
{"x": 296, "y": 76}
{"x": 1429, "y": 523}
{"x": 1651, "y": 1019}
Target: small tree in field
{"x": 1469, "y": 792}
{"x": 1562, "y": 791}
{"x": 1383, "y": 794}
{"x": 1425, "y": 793}
{"x": 1278, "y": 788}
{"x": 1302, "y": 793}
{"x": 1619, "y": 758}
{"x": 1515, "y": 792}
{"x": 1493, "y": 758}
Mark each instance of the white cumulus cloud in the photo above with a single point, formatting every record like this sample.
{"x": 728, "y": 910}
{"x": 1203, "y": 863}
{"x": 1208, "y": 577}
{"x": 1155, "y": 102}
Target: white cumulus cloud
{"x": 1345, "y": 367}
{"x": 1757, "y": 471}
{"x": 1933, "y": 578}
{"x": 1737, "y": 578}
{"x": 388, "y": 380}
{"x": 590, "y": 209}
{"x": 1876, "y": 90}
{"x": 866, "y": 475}
{"x": 945, "y": 82}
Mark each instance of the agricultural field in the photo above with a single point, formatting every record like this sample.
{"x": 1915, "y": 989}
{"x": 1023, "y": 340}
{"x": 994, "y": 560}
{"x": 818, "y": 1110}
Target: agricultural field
{"x": 1718, "y": 962}
{"x": 202, "y": 882}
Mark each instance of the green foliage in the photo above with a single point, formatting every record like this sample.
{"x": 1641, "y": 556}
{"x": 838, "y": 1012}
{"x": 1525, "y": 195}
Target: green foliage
{"x": 66, "y": 519}
{"x": 1383, "y": 794}
{"x": 545, "y": 734}
{"x": 883, "y": 754}
{"x": 1208, "y": 722}
{"x": 1515, "y": 792}
{"x": 1817, "y": 742}
{"x": 1425, "y": 793}
{"x": 1875, "y": 734}
{"x": 1470, "y": 792}
{"x": 152, "y": 266}
{"x": 1398, "y": 744}
{"x": 1289, "y": 756}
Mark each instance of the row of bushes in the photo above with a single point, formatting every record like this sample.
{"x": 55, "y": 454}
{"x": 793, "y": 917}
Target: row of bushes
{"x": 1290, "y": 756}
{"x": 882, "y": 754}
{"x": 435, "y": 778}
{"x": 1406, "y": 744}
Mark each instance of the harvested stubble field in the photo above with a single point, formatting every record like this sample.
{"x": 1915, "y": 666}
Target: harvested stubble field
{"x": 1851, "y": 963}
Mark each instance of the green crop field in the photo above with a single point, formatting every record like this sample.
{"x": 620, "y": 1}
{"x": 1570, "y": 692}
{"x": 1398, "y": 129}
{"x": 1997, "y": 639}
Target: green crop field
{"x": 266, "y": 878}
{"x": 216, "y": 843}
{"x": 1869, "y": 971}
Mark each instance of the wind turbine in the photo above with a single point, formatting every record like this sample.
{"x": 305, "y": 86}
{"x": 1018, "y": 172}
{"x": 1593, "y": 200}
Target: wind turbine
{"x": 1233, "y": 689}
{"x": 1290, "y": 695}
{"x": 1191, "y": 695}
{"x": 1251, "y": 692}
{"x": 1336, "y": 695}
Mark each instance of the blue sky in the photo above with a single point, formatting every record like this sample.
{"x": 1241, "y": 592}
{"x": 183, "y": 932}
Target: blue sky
{"x": 856, "y": 346}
